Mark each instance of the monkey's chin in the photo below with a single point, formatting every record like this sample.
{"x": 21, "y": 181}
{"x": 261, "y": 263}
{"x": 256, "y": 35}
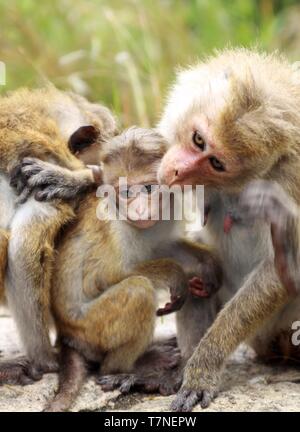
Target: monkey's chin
{"x": 143, "y": 224}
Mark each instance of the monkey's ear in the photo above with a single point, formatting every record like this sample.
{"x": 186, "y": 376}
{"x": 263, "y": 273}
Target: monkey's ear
{"x": 82, "y": 138}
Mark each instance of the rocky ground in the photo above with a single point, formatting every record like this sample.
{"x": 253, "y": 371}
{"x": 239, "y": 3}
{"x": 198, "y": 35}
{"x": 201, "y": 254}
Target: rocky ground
{"x": 247, "y": 385}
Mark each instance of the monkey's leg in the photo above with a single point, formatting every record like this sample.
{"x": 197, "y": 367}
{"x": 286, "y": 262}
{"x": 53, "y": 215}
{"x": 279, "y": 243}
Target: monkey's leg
{"x": 121, "y": 322}
{"x": 30, "y": 256}
{"x": 14, "y": 371}
{"x": 192, "y": 321}
{"x": 73, "y": 372}
{"x": 260, "y": 297}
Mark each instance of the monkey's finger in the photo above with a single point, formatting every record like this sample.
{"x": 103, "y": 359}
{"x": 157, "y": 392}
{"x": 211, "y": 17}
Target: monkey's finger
{"x": 29, "y": 170}
{"x": 127, "y": 384}
{"x": 206, "y": 400}
{"x": 178, "y": 403}
{"x": 17, "y": 181}
{"x": 30, "y": 161}
{"x": 47, "y": 193}
{"x": 24, "y": 195}
{"x": 196, "y": 282}
{"x": 112, "y": 382}
{"x": 167, "y": 309}
{"x": 201, "y": 292}
{"x": 14, "y": 174}
{"x": 21, "y": 185}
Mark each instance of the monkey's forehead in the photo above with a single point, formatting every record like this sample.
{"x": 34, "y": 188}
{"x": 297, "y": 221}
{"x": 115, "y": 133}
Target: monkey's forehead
{"x": 209, "y": 86}
{"x": 134, "y": 148}
{"x": 137, "y": 171}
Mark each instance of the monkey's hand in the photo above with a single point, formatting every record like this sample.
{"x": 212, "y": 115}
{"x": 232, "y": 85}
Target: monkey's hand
{"x": 174, "y": 305}
{"x": 206, "y": 278}
{"x": 48, "y": 181}
{"x": 200, "y": 382}
{"x": 195, "y": 286}
{"x": 268, "y": 201}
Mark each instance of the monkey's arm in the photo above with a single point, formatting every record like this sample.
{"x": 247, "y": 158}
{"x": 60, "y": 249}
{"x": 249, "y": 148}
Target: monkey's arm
{"x": 165, "y": 273}
{"x": 48, "y": 181}
{"x": 202, "y": 267}
{"x": 268, "y": 201}
{"x": 260, "y": 297}
{"x": 200, "y": 261}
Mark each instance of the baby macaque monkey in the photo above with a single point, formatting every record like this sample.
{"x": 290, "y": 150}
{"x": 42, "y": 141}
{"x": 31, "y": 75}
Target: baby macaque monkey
{"x": 52, "y": 126}
{"x": 119, "y": 251}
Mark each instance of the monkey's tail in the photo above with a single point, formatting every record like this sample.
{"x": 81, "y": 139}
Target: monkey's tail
{"x": 73, "y": 372}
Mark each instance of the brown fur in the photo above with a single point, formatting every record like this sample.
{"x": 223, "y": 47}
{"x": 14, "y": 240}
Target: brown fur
{"x": 33, "y": 124}
{"x": 104, "y": 299}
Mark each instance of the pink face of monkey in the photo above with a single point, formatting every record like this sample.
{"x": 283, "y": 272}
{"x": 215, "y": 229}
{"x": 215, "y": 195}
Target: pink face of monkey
{"x": 221, "y": 130}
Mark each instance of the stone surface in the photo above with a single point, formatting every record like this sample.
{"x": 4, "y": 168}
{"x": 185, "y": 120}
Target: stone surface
{"x": 247, "y": 385}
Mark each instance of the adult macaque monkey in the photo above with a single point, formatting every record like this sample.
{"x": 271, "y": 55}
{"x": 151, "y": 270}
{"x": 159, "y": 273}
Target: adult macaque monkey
{"x": 107, "y": 270}
{"x": 58, "y": 127}
{"x": 234, "y": 119}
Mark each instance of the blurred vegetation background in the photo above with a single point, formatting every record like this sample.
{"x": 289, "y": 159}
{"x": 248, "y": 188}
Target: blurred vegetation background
{"x": 124, "y": 52}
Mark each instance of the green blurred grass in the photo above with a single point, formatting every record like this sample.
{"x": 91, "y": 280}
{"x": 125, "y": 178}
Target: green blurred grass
{"x": 124, "y": 52}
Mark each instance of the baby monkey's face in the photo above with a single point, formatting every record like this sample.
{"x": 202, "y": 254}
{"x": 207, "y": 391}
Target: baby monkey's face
{"x": 140, "y": 204}
{"x": 130, "y": 164}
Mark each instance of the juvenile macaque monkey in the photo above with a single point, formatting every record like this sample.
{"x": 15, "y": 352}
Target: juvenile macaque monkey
{"x": 232, "y": 120}
{"x": 61, "y": 128}
{"x": 107, "y": 270}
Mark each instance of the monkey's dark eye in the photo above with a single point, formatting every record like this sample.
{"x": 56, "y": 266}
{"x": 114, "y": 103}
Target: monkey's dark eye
{"x": 198, "y": 140}
{"x": 125, "y": 193}
{"x": 149, "y": 189}
{"x": 216, "y": 164}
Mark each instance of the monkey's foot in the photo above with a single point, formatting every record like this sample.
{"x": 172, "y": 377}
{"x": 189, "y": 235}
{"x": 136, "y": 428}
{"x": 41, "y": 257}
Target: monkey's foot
{"x": 158, "y": 370}
{"x": 164, "y": 383}
{"x": 47, "y": 366}
{"x": 186, "y": 399}
{"x": 18, "y": 372}
{"x": 200, "y": 385}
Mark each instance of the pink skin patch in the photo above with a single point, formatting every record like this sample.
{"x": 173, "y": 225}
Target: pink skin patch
{"x": 228, "y": 222}
{"x": 196, "y": 287}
